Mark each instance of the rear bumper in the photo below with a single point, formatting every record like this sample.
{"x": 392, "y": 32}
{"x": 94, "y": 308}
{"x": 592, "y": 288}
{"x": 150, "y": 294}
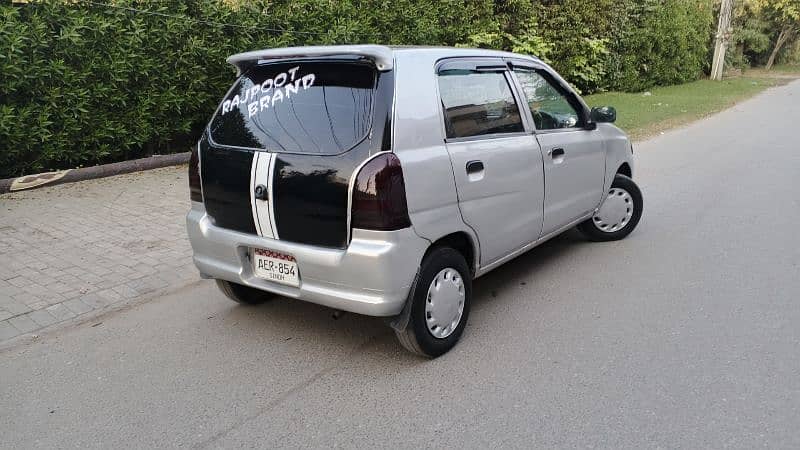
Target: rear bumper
{"x": 372, "y": 276}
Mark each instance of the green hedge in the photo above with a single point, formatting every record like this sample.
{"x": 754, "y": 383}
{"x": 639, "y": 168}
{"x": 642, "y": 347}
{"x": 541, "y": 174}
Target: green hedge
{"x": 661, "y": 42}
{"x": 85, "y": 84}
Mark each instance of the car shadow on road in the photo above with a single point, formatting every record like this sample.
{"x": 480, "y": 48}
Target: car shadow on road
{"x": 525, "y": 268}
{"x": 284, "y": 319}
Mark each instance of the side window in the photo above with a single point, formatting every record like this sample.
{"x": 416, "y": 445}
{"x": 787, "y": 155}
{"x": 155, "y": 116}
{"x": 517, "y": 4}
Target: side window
{"x": 549, "y": 106}
{"x": 478, "y": 103}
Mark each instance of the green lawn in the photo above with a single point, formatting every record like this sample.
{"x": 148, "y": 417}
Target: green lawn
{"x": 787, "y": 68}
{"x": 642, "y": 115}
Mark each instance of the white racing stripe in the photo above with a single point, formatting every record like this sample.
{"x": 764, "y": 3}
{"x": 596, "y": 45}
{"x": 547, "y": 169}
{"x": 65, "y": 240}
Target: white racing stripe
{"x": 261, "y": 173}
{"x": 270, "y": 175}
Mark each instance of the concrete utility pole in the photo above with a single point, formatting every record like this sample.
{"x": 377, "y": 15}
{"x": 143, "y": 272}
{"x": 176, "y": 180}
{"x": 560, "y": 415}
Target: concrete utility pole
{"x": 722, "y": 39}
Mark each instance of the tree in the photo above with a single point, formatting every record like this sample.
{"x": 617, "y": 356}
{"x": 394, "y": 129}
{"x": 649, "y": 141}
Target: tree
{"x": 752, "y": 36}
{"x": 785, "y": 15}
{"x": 721, "y": 39}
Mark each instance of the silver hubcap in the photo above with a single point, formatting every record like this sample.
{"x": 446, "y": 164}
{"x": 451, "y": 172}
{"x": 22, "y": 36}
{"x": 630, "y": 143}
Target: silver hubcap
{"x": 616, "y": 211}
{"x": 445, "y": 303}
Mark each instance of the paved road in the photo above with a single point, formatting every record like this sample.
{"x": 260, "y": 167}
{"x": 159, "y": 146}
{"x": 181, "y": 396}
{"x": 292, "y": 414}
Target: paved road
{"x": 687, "y": 334}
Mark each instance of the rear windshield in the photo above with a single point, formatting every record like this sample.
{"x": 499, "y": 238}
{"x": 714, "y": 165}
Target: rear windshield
{"x": 301, "y": 107}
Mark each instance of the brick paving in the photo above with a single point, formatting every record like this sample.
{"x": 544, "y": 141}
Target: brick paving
{"x": 72, "y": 249}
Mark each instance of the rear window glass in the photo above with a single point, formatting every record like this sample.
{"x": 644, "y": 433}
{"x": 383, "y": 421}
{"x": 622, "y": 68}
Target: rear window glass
{"x": 300, "y": 107}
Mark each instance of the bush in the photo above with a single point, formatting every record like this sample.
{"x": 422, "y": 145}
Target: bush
{"x": 581, "y": 32}
{"x": 627, "y": 45}
{"x": 661, "y": 42}
{"x": 85, "y": 84}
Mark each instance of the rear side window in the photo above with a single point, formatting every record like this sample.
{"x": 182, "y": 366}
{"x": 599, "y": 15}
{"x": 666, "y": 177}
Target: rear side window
{"x": 478, "y": 103}
{"x": 302, "y": 107}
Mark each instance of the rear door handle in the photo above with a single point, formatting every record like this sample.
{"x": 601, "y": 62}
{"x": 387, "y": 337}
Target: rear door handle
{"x": 474, "y": 166}
{"x": 557, "y": 152}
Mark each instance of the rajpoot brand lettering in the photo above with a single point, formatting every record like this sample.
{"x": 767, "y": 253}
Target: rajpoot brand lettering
{"x": 273, "y": 90}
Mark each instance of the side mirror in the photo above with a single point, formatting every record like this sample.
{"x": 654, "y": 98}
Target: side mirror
{"x": 604, "y": 114}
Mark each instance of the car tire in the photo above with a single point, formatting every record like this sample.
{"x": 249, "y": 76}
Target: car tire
{"x": 618, "y": 215}
{"x": 243, "y": 294}
{"x": 443, "y": 275}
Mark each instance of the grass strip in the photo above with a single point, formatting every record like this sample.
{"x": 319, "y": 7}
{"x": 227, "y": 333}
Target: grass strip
{"x": 648, "y": 113}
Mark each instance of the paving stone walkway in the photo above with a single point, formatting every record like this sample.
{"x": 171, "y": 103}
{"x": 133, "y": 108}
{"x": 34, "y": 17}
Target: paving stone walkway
{"x": 72, "y": 249}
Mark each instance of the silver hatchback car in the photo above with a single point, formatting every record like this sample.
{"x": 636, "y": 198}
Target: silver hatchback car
{"x": 383, "y": 180}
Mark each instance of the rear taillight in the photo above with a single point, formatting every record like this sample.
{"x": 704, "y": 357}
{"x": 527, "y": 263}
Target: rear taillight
{"x": 195, "y": 191}
{"x": 379, "y": 195}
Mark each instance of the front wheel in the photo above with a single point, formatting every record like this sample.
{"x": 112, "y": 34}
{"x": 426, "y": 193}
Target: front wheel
{"x": 618, "y": 215}
{"x": 440, "y": 299}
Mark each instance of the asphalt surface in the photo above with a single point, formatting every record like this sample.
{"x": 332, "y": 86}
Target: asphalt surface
{"x": 686, "y": 334}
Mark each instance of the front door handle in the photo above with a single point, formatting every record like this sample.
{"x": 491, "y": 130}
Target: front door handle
{"x": 474, "y": 166}
{"x": 557, "y": 154}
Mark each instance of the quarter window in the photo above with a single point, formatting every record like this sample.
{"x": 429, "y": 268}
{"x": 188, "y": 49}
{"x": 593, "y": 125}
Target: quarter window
{"x": 478, "y": 103}
{"x": 549, "y": 105}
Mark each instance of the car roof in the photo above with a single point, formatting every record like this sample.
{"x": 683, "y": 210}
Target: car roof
{"x": 382, "y": 55}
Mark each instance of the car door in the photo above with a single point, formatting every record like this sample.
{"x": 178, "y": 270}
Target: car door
{"x": 574, "y": 155}
{"x": 497, "y": 165}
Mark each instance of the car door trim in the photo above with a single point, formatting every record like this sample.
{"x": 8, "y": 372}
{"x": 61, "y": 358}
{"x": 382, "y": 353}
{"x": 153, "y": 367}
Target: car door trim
{"x": 542, "y": 239}
{"x": 485, "y": 137}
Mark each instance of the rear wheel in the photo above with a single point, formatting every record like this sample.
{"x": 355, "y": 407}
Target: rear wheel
{"x": 618, "y": 215}
{"x": 440, "y": 300}
{"x": 243, "y": 294}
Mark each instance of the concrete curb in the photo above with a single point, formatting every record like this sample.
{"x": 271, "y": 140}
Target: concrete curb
{"x": 105, "y": 170}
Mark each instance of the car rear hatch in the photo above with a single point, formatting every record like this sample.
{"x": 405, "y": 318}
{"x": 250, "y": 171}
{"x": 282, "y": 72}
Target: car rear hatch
{"x": 279, "y": 154}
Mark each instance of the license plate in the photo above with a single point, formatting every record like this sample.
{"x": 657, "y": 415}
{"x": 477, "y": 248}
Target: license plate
{"x": 276, "y": 266}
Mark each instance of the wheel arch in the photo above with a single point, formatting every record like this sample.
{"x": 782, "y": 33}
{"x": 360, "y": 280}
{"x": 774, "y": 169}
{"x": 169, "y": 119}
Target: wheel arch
{"x": 619, "y": 154}
{"x": 461, "y": 242}
{"x": 625, "y": 169}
